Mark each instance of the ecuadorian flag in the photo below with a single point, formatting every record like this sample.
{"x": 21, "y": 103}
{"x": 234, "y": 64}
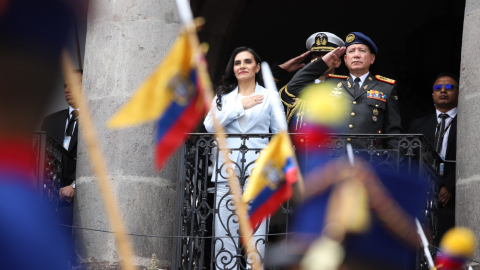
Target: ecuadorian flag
{"x": 271, "y": 181}
{"x": 172, "y": 96}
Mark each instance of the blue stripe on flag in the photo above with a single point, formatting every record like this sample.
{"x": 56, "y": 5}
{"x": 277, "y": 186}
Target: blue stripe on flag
{"x": 174, "y": 111}
{"x": 264, "y": 196}
{"x": 266, "y": 193}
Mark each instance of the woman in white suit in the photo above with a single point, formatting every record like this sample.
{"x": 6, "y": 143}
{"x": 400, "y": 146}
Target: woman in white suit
{"x": 242, "y": 106}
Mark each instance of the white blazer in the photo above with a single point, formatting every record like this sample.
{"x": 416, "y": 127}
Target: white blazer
{"x": 262, "y": 119}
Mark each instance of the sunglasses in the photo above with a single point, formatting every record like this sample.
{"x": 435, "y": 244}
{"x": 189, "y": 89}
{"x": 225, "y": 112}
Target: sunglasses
{"x": 448, "y": 86}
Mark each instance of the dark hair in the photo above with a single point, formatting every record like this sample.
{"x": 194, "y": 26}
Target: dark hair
{"x": 229, "y": 81}
{"x": 447, "y": 74}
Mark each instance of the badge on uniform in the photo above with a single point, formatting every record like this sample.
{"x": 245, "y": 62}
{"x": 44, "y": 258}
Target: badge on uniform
{"x": 375, "y": 112}
{"x": 337, "y": 91}
{"x": 377, "y": 95}
{"x": 374, "y": 118}
{"x": 350, "y": 38}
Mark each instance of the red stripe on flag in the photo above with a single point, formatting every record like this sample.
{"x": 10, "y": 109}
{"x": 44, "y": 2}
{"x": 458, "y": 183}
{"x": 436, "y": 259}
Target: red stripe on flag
{"x": 291, "y": 176}
{"x": 178, "y": 132}
{"x": 281, "y": 195}
{"x": 17, "y": 157}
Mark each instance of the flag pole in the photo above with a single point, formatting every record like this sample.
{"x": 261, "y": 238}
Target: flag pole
{"x": 270, "y": 84}
{"x": 424, "y": 242}
{"x": 245, "y": 226}
{"x": 98, "y": 164}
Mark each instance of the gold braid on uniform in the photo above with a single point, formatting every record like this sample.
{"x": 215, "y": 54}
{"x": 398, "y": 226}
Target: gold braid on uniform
{"x": 300, "y": 113}
{"x": 298, "y": 104}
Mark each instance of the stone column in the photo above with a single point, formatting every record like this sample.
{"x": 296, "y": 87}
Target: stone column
{"x": 126, "y": 40}
{"x": 468, "y": 137}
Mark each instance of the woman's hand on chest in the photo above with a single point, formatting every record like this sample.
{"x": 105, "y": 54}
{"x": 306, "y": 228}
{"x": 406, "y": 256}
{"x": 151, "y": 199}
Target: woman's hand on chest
{"x": 252, "y": 100}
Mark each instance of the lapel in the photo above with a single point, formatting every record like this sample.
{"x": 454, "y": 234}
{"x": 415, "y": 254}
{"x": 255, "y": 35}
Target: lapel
{"x": 73, "y": 140}
{"x": 230, "y": 99}
{"x": 452, "y": 138}
{"x": 370, "y": 84}
{"x": 431, "y": 128}
{"x": 349, "y": 89}
{"x": 257, "y": 108}
{"x": 60, "y": 127}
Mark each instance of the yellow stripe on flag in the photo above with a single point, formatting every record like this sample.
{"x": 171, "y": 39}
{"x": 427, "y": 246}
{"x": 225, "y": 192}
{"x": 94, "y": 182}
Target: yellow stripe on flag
{"x": 273, "y": 157}
{"x": 155, "y": 95}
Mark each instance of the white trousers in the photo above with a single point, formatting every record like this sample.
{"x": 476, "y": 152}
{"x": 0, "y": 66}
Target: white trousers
{"x": 227, "y": 250}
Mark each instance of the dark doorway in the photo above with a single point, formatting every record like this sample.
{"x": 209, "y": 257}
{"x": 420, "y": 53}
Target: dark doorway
{"x": 417, "y": 39}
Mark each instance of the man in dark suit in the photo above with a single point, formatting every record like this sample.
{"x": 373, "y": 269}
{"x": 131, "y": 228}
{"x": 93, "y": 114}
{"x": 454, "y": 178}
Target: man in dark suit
{"x": 373, "y": 98}
{"x": 33, "y": 35}
{"x": 63, "y": 127}
{"x": 440, "y": 129}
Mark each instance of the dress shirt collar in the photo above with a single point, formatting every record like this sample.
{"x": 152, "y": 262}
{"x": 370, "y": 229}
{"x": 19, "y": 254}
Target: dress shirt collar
{"x": 362, "y": 78}
{"x": 70, "y": 109}
{"x": 452, "y": 113}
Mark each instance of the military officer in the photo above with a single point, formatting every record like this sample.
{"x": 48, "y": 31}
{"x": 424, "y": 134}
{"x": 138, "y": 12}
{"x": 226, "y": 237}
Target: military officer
{"x": 373, "y": 97}
{"x": 318, "y": 44}
{"x": 281, "y": 72}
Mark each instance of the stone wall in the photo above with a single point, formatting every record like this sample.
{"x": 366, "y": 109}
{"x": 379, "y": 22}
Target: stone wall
{"x": 468, "y": 139}
{"x": 126, "y": 40}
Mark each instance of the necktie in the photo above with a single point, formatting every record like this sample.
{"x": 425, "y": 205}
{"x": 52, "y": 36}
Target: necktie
{"x": 440, "y": 132}
{"x": 356, "y": 87}
{"x": 71, "y": 122}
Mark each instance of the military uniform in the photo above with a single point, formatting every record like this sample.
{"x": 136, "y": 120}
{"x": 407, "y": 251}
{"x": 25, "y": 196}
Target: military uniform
{"x": 278, "y": 73}
{"x": 322, "y": 43}
{"x": 374, "y": 109}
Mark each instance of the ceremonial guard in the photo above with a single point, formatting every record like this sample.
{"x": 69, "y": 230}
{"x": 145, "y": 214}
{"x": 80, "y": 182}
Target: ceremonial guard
{"x": 373, "y": 97}
{"x": 318, "y": 45}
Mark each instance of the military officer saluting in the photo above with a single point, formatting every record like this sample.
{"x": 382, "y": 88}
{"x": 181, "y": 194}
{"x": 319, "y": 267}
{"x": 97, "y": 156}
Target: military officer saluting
{"x": 319, "y": 44}
{"x": 373, "y": 98}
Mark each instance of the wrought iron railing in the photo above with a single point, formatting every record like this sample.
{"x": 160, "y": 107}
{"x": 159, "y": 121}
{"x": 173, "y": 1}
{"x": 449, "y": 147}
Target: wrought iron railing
{"x": 206, "y": 214}
{"x": 49, "y": 167}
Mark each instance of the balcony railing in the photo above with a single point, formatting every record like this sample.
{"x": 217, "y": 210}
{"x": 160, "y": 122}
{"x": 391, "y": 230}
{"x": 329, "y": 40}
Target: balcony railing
{"x": 200, "y": 179}
{"x": 50, "y": 166}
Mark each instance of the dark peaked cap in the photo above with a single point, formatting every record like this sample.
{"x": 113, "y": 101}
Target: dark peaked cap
{"x": 359, "y": 38}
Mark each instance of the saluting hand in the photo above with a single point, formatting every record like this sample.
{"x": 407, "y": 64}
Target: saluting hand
{"x": 251, "y": 101}
{"x": 295, "y": 63}
{"x": 332, "y": 57}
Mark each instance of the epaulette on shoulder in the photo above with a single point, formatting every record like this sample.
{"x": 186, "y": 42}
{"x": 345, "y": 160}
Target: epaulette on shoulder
{"x": 385, "y": 79}
{"x": 337, "y": 76}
